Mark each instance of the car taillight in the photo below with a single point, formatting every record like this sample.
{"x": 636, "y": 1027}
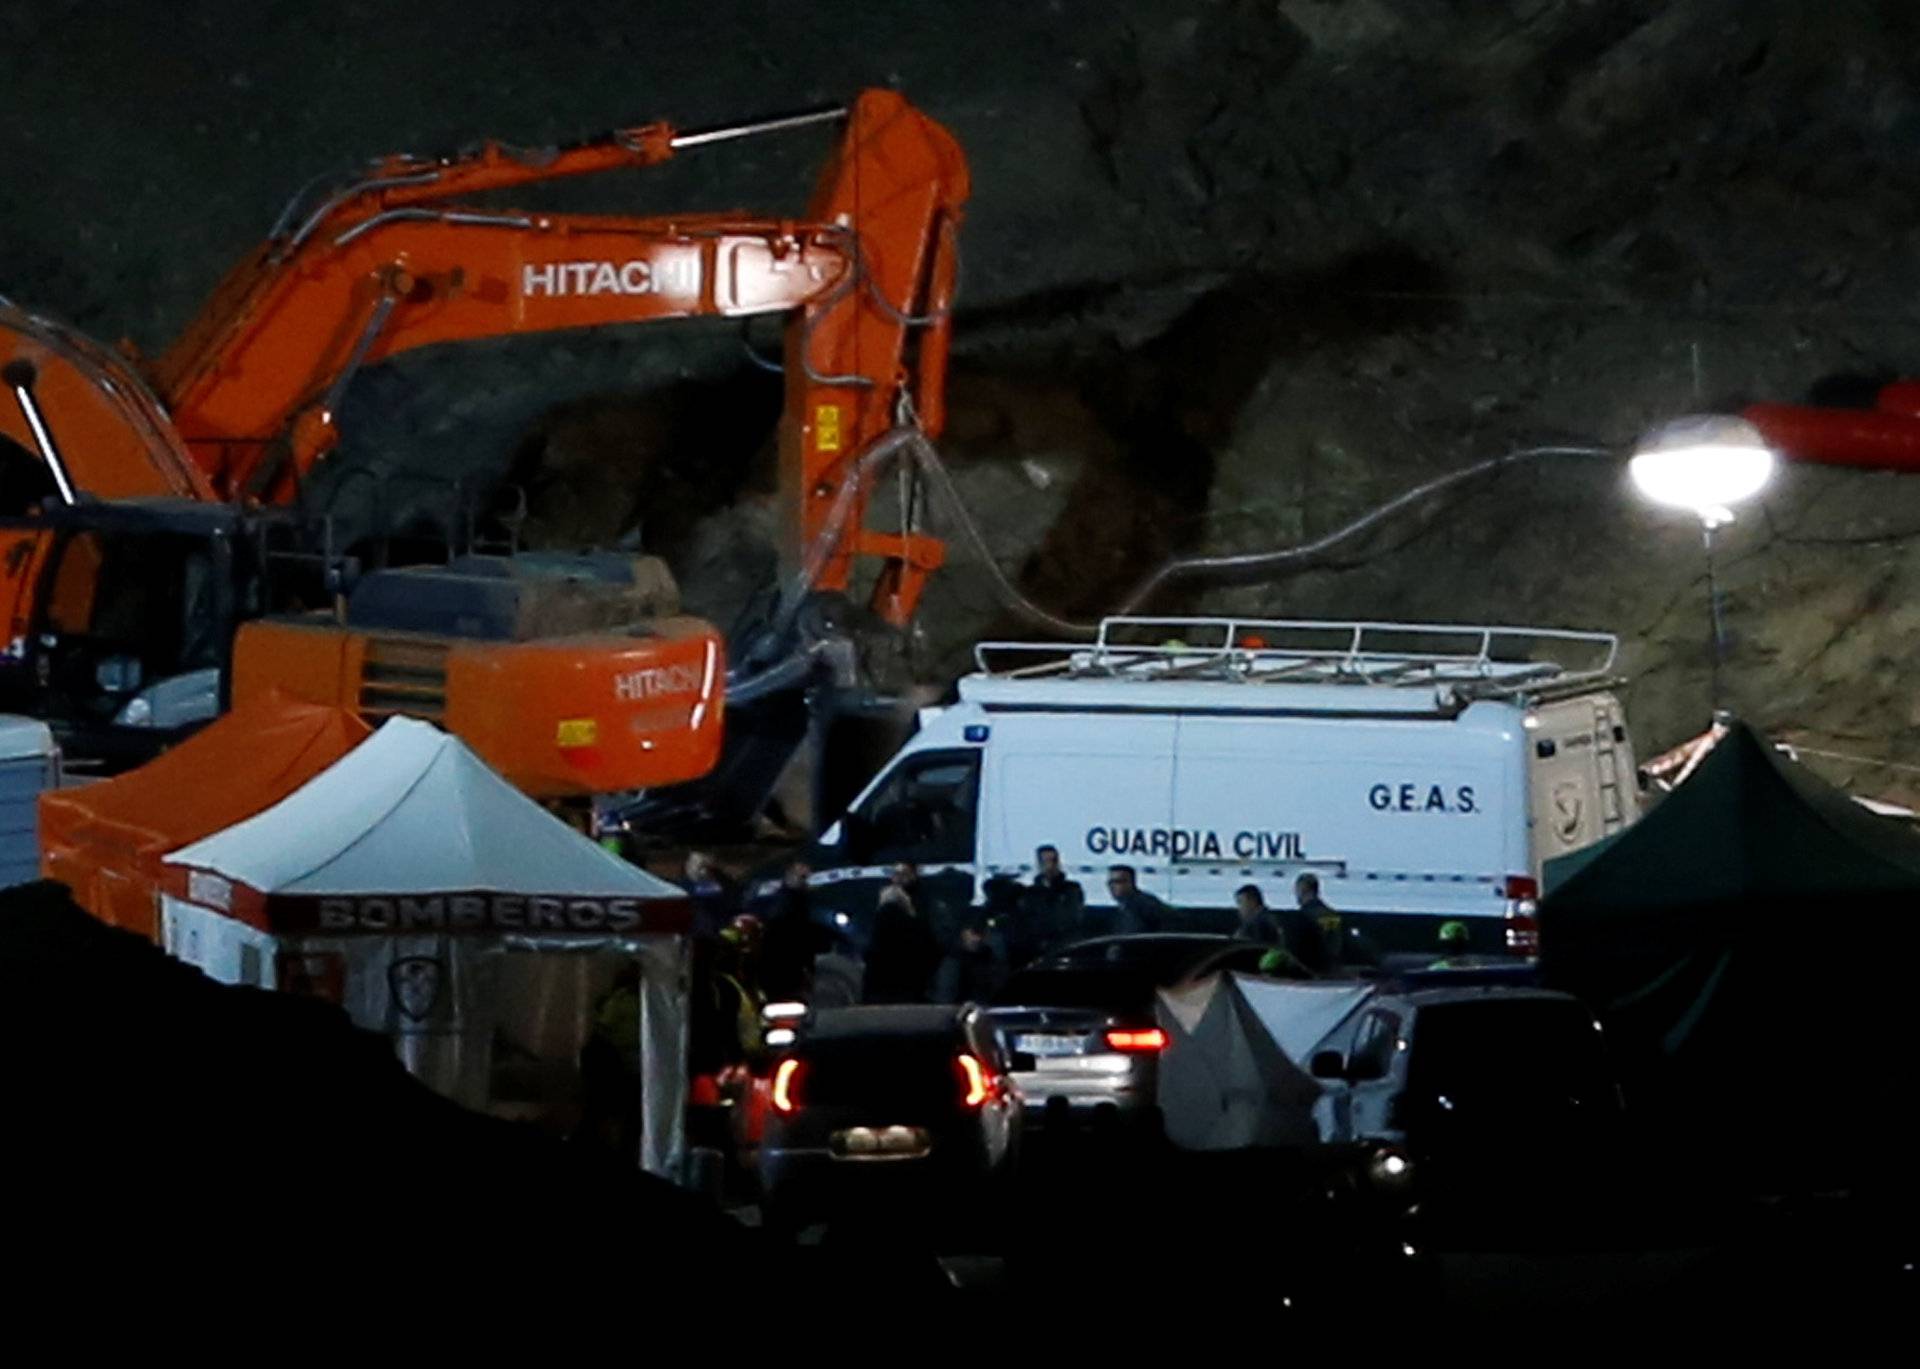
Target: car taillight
{"x": 785, "y": 1095}
{"x": 1523, "y": 926}
{"x": 1137, "y": 1041}
{"x": 976, "y": 1081}
{"x": 1522, "y": 886}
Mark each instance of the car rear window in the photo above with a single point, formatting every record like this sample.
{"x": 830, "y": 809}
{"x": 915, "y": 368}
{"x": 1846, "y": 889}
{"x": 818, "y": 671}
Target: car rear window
{"x": 1042, "y": 988}
{"x": 1161, "y": 959}
{"x": 914, "y": 1070}
{"x": 1509, "y": 1051}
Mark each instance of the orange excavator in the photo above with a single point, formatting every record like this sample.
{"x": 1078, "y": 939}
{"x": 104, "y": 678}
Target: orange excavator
{"x": 157, "y": 502}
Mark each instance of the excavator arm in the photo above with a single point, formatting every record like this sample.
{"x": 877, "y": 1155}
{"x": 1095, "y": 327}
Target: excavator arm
{"x": 391, "y": 263}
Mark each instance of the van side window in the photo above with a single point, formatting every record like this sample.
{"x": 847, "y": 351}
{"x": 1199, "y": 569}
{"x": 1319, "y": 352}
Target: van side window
{"x": 1372, "y": 1055}
{"x": 924, "y": 811}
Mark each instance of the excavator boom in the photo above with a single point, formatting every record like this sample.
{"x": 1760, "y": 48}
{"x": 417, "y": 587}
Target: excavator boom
{"x": 258, "y": 418}
{"x": 392, "y": 263}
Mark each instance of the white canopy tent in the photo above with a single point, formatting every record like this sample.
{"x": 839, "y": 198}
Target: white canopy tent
{"x": 1235, "y": 1073}
{"x": 439, "y": 905}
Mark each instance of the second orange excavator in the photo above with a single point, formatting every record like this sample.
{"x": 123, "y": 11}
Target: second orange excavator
{"x": 136, "y": 618}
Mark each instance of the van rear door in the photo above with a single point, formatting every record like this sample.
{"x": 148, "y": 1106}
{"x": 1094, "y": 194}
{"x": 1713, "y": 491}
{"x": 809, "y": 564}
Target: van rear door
{"x": 1581, "y": 774}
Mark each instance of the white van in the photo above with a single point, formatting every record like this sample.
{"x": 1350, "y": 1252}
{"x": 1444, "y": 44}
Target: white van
{"x": 1424, "y": 773}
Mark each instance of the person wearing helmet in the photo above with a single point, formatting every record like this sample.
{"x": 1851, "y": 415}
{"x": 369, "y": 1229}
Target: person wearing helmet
{"x": 1284, "y": 964}
{"x": 1454, "y": 941}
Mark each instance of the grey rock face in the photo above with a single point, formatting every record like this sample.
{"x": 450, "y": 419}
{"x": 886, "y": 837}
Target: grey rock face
{"x": 1233, "y": 273}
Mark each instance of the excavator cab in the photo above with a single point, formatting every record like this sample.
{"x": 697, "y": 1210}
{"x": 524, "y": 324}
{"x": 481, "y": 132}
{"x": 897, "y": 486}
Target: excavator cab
{"x": 124, "y": 645}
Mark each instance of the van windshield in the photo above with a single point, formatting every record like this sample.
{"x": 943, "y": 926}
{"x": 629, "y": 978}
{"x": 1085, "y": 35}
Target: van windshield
{"x": 923, "y": 811}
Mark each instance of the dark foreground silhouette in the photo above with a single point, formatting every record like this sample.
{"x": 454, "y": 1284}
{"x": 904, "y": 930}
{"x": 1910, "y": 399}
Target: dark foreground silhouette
{"x": 156, "y": 1116}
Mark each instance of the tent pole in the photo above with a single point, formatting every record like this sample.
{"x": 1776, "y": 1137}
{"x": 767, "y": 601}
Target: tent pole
{"x": 1717, "y": 640}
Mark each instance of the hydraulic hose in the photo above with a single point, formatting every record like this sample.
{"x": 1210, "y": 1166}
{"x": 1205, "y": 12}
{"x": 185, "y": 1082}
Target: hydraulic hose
{"x": 1254, "y": 563}
{"x": 909, "y": 443}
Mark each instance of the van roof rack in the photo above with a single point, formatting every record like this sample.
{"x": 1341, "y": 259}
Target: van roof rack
{"x": 1481, "y": 661}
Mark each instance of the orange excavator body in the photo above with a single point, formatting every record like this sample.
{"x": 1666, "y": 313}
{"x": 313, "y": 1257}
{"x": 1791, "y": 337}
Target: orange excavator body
{"x": 560, "y": 717}
{"x": 244, "y": 405}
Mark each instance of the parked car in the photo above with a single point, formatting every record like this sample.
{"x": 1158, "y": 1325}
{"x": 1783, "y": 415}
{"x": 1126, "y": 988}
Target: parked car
{"x": 1078, "y": 1024}
{"x": 1474, "y": 1095}
{"x": 888, "y": 1110}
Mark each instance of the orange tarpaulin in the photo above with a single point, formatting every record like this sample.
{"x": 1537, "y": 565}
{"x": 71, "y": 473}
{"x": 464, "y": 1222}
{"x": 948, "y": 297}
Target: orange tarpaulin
{"x": 105, "y": 840}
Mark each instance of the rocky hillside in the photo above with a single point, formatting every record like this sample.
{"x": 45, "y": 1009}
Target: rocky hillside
{"x": 1234, "y": 272}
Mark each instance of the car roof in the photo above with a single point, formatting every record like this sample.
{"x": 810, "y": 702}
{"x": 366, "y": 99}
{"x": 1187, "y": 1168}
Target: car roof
{"x": 1198, "y": 940}
{"x": 1478, "y": 993}
{"x": 903, "y": 1019}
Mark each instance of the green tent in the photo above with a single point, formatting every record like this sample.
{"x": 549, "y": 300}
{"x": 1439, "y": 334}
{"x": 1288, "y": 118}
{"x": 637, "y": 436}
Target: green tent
{"x": 1748, "y": 946}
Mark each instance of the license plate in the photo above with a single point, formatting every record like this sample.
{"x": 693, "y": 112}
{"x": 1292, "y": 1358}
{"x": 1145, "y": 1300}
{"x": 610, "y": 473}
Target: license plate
{"x": 880, "y": 1143}
{"x": 1043, "y": 1044}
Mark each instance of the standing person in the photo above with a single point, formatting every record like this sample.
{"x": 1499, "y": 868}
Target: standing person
{"x": 1454, "y": 943}
{"x": 1007, "y": 928}
{"x": 1283, "y": 964}
{"x": 1302, "y": 932}
{"x": 902, "y": 955}
{"x": 610, "y": 1068}
{"x": 1341, "y": 948}
{"x": 1134, "y": 909}
{"x": 938, "y": 909}
{"x": 971, "y": 971}
{"x": 1051, "y": 908}
{"x": 1257, "y": 922}
{"x": 790, "y": 940}
{"x": 739, "y": 969}
{"x": 837, "y": 973}
{"x": 713, "y": 894}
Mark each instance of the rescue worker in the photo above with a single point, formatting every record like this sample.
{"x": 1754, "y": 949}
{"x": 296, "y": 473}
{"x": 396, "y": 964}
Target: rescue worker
{"x": 713, "y": 894}
{"x": 1306, "y": 894}
{"x": 902, "y": 954}
{"x": 1340, "y": 948}
{"x": 971, "y": 971}
{"x": 1007, "y": 929}
{"x": 1257, "y": 922}
{"x": 610, "y": 1075}
{"x": 1134, "y": 909}
{"x": 1454, "y": 940}
{"x": 790, "y": 940}
{"x": 943, "y": 913}
{"x": 723, "y": 1039}
{"x": 1284, "y": 964}
{"x": 1051, "y": 907}
{"x": 737, "y": 974}
{"x": 837, "y": 973}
